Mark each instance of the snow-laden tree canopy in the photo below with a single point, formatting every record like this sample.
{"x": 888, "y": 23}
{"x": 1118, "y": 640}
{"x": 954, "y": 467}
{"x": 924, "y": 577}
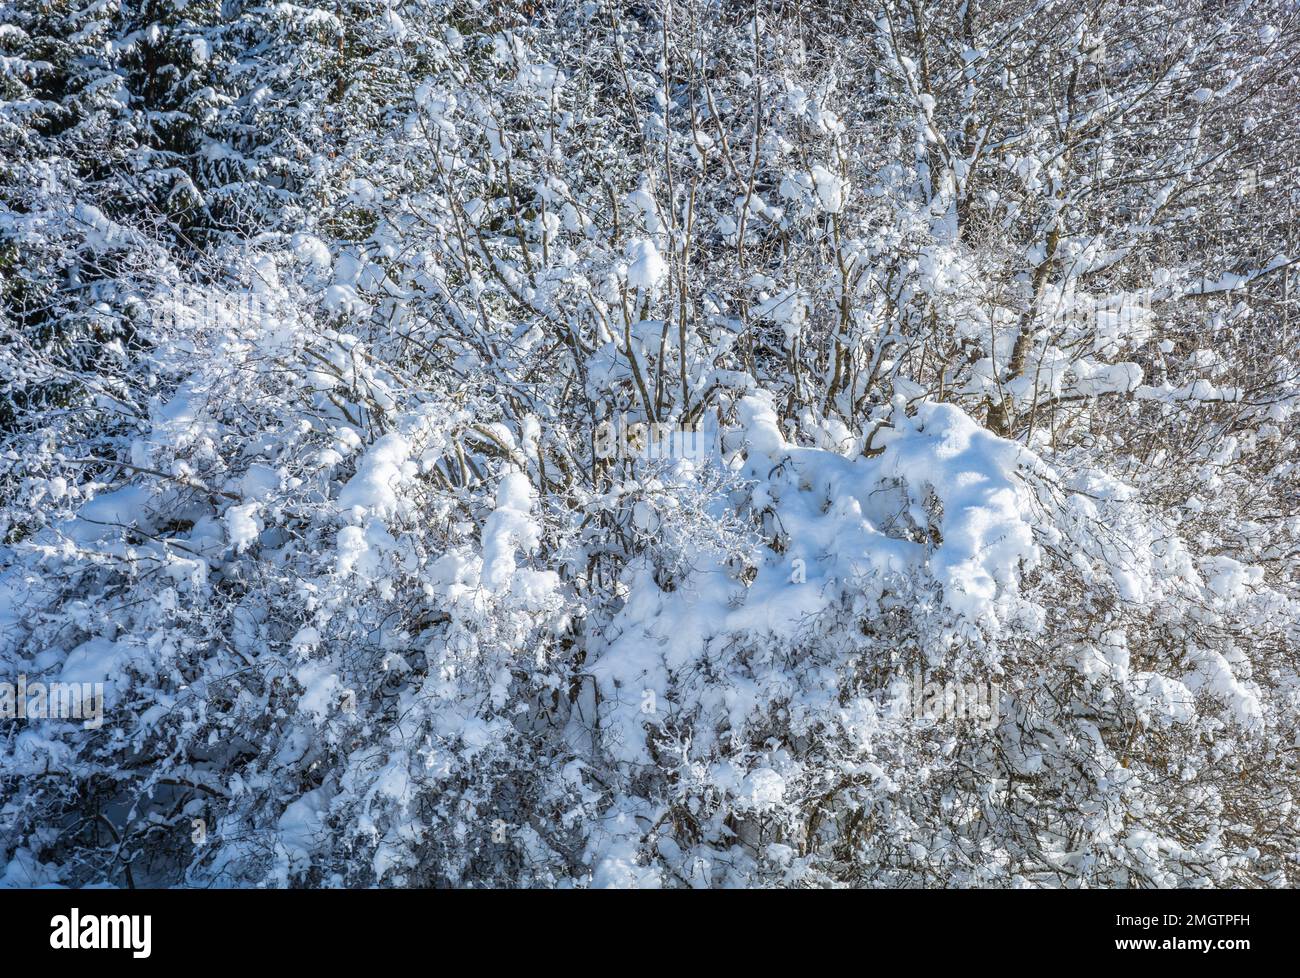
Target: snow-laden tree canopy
{"x": 567, "y": 443}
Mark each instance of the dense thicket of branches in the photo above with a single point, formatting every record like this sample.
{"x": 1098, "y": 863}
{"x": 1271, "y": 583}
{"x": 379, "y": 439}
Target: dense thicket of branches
{"x": 316, "y": 321}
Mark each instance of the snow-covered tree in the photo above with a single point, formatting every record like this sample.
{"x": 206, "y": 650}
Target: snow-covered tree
{"x": 677, "y": 444}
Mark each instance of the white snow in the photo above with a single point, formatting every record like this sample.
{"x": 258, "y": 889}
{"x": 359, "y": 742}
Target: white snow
{"x": 646, "y": 269}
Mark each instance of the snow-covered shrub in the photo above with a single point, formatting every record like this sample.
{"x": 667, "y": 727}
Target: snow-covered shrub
{"x": 596, "y": 444}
